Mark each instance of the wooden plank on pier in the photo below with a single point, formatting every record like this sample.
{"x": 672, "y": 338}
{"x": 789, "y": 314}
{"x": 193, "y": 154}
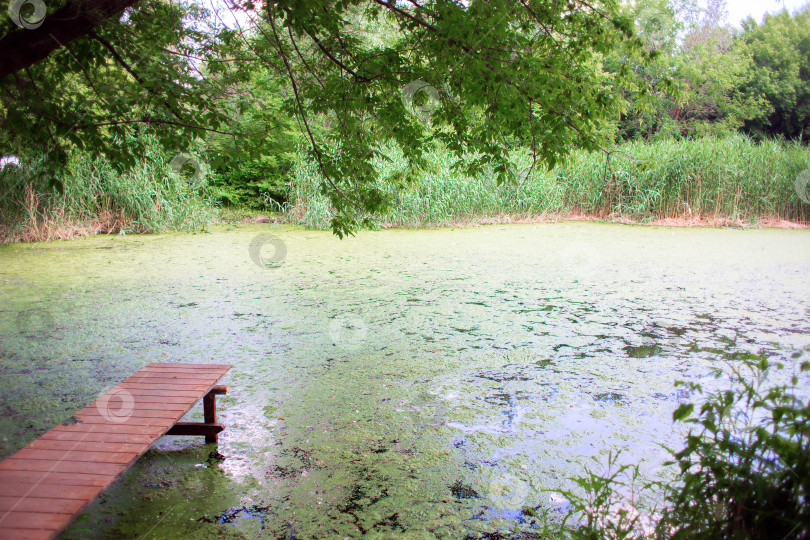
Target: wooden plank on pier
{"x": 44, "y": 486}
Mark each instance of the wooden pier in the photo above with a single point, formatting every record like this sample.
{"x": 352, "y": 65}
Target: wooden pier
{"x": 44, "y": 486}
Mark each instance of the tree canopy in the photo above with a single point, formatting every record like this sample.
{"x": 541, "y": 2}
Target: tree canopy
{"x": 780, "y": 50}
{"x": 472, "y": 76}
{"x": 112, "y": 70}
{"x": 340, "y": 80}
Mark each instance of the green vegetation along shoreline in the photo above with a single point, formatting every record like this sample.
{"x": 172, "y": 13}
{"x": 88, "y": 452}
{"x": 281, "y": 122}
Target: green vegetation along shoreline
{"x": 708, "y": 181}
{"x": 715, "y": 181}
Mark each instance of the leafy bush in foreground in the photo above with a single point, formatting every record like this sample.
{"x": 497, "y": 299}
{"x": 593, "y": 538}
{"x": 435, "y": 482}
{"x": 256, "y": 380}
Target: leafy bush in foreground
{"x": 744, "y": 471}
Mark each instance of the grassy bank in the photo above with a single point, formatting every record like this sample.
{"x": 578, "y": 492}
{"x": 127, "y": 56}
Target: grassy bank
{"x": 733, "y": 178}
{"x": 91, "y": 197}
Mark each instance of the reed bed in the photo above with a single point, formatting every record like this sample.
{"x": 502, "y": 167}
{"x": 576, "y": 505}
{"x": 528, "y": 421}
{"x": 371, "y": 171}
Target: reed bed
{"x": 733, "y": 177}
{"x": 96, "y": 198}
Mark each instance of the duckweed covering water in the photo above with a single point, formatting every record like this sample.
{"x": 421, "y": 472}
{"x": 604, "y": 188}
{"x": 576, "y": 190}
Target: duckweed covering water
{"x": 413, "y": 384}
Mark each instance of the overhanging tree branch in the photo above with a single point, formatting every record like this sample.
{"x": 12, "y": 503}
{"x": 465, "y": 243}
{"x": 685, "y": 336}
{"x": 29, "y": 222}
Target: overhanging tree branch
{"x": 25, "y": 47}
{"x": 118, "y": 58}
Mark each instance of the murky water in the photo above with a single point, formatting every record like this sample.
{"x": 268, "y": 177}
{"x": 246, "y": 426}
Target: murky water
{"x": 400, "y": 384}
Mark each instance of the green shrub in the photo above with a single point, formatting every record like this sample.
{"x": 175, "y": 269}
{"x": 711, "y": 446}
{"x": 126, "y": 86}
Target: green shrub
{"x": 261, "y": 183}
{"x": 744, "y": 471}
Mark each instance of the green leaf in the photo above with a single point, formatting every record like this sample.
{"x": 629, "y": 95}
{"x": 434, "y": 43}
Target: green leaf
{"x": 683, "y": 410}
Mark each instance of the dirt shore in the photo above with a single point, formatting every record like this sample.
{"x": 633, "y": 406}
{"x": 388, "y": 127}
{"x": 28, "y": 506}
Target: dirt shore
{"x": 677, "y": 221}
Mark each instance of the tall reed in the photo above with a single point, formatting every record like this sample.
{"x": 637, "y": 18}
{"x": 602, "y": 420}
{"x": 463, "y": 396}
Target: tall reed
{"x": 730, "y": 177}
{"x": 95, "y": 197}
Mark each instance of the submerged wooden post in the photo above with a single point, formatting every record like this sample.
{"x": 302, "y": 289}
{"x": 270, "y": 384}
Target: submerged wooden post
{"x": 210, "y": 414}
{"x": 209, "y": 427}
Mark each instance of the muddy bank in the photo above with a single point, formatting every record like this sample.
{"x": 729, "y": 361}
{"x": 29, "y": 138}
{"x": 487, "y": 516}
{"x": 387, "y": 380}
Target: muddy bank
{"x": 687, "y": 220}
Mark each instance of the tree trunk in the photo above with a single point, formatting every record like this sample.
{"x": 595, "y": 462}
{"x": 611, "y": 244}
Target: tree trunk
{"x": 23, "y": 48}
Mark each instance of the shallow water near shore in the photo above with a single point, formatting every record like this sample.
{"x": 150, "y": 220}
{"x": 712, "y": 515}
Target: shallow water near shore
{"x": 401, "y": 383}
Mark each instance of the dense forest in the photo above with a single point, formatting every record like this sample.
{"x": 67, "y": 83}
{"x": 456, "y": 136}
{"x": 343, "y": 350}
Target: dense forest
{"x": 677, "y": 114}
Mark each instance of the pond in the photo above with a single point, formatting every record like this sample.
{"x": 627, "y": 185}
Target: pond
{"x": 402, "y": 383}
